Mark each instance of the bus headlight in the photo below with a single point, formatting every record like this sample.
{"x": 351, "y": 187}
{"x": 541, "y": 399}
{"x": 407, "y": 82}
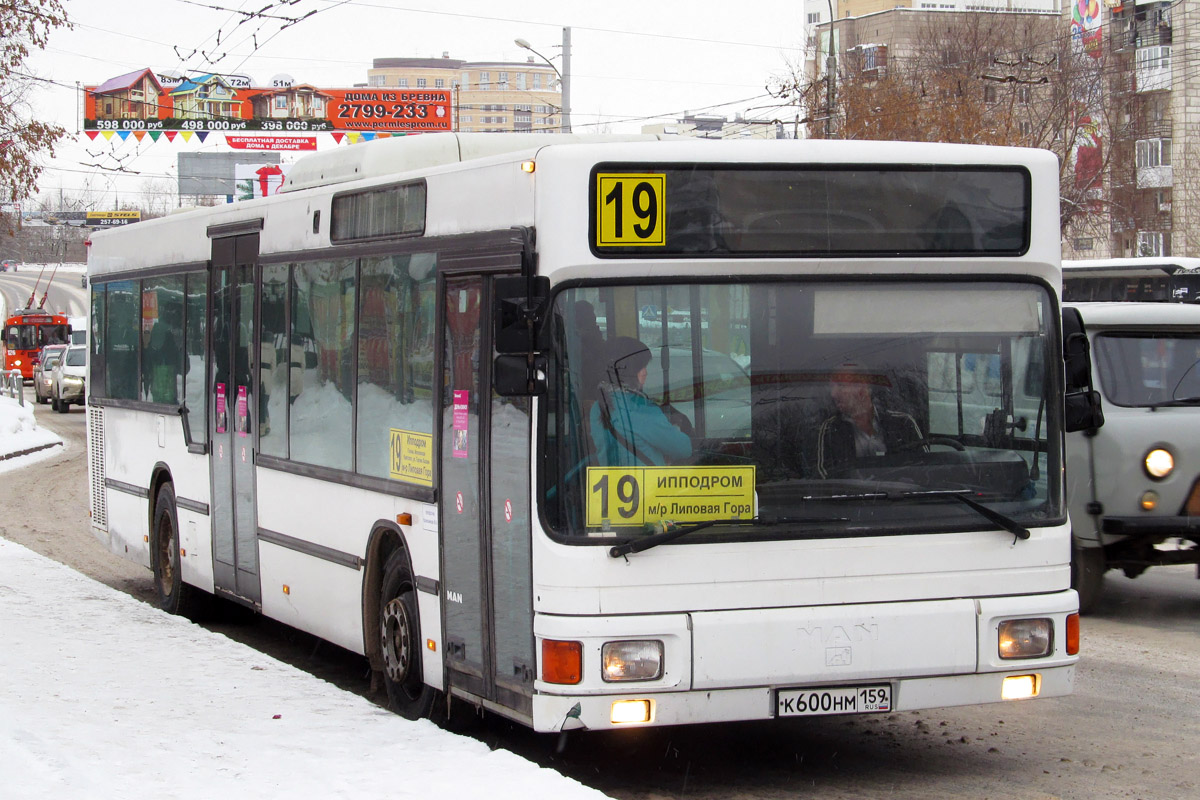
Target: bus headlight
{"x": 632, "y": 661}
{"x": 1025, "y": 638}
{"x": 1159, "y": 463}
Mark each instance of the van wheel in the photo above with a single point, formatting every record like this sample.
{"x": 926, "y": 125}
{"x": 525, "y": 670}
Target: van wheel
{"x": 63, "y": 407}
{"x": 174, "y": 596}
{"x": 400, "y": 639}
{"x": 1087, "y": 575}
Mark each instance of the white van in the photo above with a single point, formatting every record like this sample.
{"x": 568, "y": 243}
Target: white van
{"x": 78, "y": 329}
{"x": 1133, "y": 485}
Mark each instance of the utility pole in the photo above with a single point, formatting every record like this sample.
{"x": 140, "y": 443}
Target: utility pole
{"x": 830, "y": 79}
{"x": 566, "y": 80}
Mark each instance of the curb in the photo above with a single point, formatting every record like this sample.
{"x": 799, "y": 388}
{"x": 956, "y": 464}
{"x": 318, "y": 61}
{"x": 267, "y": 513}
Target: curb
{"x": 27, "y": 451}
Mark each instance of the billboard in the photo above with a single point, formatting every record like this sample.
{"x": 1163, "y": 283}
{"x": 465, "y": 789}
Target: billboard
{"x": 209, "y": 174}
{"x": 145, "y": 100}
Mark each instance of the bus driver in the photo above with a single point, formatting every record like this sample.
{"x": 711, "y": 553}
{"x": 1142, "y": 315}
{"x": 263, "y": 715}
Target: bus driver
{"x": 628, "y": 428}
{"x": 861, "y": 428}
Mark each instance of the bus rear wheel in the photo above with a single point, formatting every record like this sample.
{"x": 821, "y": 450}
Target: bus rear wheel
{"x": 400, "y": 639}
{"x": 174, "y": 596}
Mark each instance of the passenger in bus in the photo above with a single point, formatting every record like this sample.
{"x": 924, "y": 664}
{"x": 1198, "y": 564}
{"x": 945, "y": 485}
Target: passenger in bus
{"x": 861, "y": 427}
{"x": 628, "y": 428}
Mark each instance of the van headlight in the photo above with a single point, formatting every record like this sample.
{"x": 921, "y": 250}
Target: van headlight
{"x": 632, "y": 661}
{"x": 1159, "y": 463}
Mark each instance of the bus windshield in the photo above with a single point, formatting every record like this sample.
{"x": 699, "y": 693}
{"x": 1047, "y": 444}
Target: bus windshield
{"x": 1148, "y": 369}
{"x": 799, "y": 409}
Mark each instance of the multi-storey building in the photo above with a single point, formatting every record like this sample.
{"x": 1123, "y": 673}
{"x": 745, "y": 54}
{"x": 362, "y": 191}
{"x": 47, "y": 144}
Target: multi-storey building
{"x": 487, "y": 96}
{"x": 1153, "y": 122}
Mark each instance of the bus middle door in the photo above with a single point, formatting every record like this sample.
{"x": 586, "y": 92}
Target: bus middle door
{"x": 485, "y": 517}
{"x": 234, "y": 418}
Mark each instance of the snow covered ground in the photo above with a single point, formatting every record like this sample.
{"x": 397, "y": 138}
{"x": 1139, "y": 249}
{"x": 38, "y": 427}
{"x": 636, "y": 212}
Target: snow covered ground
{"x": 103, "y": 696}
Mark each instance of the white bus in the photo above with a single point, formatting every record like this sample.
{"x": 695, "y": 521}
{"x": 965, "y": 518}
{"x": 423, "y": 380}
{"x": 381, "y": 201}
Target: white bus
{"x": 373, "y": 408}
{"x": 1144, "y": 279}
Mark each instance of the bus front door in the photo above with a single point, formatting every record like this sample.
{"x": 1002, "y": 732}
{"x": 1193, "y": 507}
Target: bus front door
{"x": 485, "y": 517}
{"x": 234, "y": 419}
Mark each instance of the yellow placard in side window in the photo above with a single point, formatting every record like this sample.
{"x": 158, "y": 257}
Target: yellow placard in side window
{"x": 631, "y": 210}
{"x": 621, "y": 497}
{"x": 411, "y": 457}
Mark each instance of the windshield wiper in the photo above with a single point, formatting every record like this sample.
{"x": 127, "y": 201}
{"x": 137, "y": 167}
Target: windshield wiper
{"x": 675, "y": 532}
{"x": 1004, "y": 521}
{"x": 1179, "y": 401}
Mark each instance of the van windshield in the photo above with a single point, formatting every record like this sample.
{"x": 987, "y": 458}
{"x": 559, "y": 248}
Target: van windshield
{"x": 1141, "y": 369}
{"x": 805, "y": 409}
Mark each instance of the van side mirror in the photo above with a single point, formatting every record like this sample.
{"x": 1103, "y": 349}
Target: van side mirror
{"x": 1083, "y": 408}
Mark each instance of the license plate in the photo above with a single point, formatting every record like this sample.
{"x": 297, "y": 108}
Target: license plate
{"x": 833, "y": 700}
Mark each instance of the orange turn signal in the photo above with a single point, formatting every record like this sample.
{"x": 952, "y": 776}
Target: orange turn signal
{"x": 562, "y": 662}
{"x": 1072, "y": 634}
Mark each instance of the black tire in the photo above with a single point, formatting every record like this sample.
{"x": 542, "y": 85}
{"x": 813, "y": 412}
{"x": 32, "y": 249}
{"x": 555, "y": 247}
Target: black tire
{"x": 1087, "y": 575}
{"x": 174, "y": 596}
{"x": 54, "y": 402}
{"x": 400, "y": 640}
{"x": 63, "y": 406}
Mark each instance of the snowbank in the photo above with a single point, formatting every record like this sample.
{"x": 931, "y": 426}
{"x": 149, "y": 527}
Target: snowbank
{"x": 104, "y": 696}
{"x": 21, "y": 440}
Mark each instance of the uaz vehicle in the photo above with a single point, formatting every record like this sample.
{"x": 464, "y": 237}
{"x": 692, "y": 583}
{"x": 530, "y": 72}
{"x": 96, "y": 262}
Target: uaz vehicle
{"x": 43, "y": 378}
{"x": 67, "y": 379}
{"x": 1134, "y": 485}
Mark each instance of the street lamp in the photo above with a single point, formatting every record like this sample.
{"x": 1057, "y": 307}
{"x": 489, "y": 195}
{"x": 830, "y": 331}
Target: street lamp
{"x": 564, "y": 77}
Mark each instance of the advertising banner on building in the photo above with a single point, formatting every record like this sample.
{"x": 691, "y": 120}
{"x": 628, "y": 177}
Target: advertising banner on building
{"x": 145, "y": 100}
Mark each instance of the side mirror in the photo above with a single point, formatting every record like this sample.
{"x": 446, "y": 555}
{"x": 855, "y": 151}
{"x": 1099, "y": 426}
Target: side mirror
{"x": 519, "y": 375}
{"x": 520, "y": 310}
{"x": 1083, "y": 408}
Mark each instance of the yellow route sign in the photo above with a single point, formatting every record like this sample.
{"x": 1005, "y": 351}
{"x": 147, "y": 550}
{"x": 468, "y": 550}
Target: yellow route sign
{"x": 633, "y": 496}
{"x": 631, "y": 209}
{"x": 411, "y": 457}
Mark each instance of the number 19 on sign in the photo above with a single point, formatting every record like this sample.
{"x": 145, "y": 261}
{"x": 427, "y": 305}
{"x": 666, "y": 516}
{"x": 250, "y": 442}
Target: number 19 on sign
{"x": 630, "y": 210}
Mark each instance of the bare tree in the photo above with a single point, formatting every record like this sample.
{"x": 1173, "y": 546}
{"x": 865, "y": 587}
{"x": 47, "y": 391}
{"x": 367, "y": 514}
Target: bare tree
{"x": 25, "y": 25}
{"x": 975, "y": 78}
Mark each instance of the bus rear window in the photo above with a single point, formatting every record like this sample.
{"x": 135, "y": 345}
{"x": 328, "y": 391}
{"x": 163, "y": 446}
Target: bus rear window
{"x": 878, "y": 210}
{"x": 387, "y": 211}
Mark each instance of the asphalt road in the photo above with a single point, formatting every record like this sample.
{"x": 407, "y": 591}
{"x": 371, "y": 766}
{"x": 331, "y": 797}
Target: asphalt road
{"x": 1130, "y": 730}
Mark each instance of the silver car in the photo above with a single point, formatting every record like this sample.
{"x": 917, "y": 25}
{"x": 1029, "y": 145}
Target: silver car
{"x": 43, "y": 378}
{"x": 67, "y": 379}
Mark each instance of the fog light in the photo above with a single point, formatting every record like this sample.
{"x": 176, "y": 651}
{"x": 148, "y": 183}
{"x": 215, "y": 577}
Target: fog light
{"x": 1159, "y": 463}
{"x": 632, "y": 661}
{"x": 1020, "y": 687}
{"x": 1149, "y": 500}
{"x": 630, "y": 711}
{"x": 1025, "y": 638}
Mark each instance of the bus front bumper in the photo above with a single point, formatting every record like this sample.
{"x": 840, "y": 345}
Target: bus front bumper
{"x": 557, "y": 713}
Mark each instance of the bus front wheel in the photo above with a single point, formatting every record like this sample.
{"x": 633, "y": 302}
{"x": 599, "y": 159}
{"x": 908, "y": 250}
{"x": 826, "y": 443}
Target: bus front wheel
{"x": 400, "y": 638}
{"x": 174, "y": 596}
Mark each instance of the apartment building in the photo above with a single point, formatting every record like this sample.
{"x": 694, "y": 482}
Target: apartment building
{"x": 1153, "y": 124}
{"x": 488, "y": 96}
